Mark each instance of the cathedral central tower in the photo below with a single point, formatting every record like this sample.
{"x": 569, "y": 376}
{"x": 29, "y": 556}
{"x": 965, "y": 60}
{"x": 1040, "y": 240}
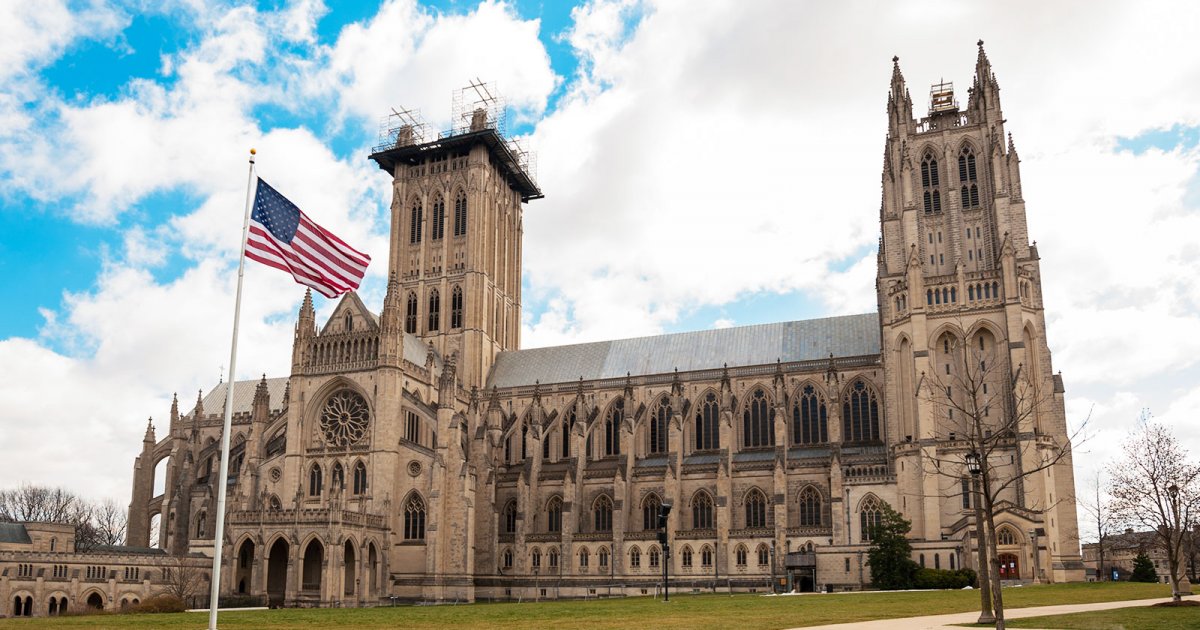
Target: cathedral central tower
{"x": 456, "y": 231}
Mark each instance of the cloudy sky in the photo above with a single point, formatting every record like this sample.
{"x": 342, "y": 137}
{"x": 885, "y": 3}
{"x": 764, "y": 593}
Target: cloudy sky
{"x": 705, "y": 164}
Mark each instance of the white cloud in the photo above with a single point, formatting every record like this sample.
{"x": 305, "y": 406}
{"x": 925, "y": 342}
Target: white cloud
{"x": 408, "y": 56}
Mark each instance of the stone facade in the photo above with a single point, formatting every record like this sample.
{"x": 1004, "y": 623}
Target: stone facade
{"x": 420, "y": 455}
{"x": 43, "y": 574}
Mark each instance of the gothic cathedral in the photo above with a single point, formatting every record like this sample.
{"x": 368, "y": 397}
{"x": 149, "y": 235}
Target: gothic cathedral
{"x": 419, "y": 454}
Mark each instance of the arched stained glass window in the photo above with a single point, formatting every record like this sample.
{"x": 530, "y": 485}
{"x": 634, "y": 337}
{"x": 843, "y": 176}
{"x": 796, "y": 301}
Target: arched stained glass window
{"x": 460, "y": 213}
{"x": 708, "y": 434}
{"x": 810, "y": 507}
{"x": 702, "y": 511}
{"x": 870, "y": 516}
{"x": 860, "y": 414}
{"x": 809, "y": 423}
{"x": 758, "y": 421}
{"x": 658, "y": 426}
{"x": 756, "y": 509}
{"x": 612, "y": 428}
{"x": 602, "y": 514}
{"x": 414, "y": 518}
{"x": 650, "y": 508}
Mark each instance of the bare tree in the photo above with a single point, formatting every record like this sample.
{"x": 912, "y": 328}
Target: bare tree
{"x": 987, "y": 413}
{"x": 96, "y": 523}
{"x": 183, "y": 580}
{"x": 110, "y": 521}
{"x": 1099, "y": 514}
{"x": 1155, "y": 486}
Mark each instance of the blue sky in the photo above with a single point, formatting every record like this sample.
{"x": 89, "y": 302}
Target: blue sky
{"x": 705, "y": 164}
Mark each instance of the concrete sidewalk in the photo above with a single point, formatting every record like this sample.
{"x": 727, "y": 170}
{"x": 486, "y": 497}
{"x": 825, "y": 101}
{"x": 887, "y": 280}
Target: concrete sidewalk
{"x": 943, "y": 622}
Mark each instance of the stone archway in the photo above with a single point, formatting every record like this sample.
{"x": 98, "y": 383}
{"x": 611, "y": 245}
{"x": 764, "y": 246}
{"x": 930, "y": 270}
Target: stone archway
{"x": 314, "y": 560}
{"x": 350, "y": 560}
{"x": 244, "y": 575}
{"x": 95, "y": 600}
{"x": 277, "y": 569}
{"x": 372, "y": 572}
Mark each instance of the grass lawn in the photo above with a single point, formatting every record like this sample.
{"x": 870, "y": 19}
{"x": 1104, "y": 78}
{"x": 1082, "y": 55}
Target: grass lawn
{"x": 1119, "y": 619}
{"x": 716, "y": 612}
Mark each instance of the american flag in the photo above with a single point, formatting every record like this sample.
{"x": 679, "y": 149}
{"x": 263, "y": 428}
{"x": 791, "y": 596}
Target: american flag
{"x": 281, "y": 236}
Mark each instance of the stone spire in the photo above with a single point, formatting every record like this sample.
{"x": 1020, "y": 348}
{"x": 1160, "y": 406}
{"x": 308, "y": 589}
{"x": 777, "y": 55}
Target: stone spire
{"x": 899, "y": 102}
{"x": 260, "y": 409}
{"x": 985, "y": 91}
{"x": 174, "y": 412}
{"x": 306, "y": 326}
{"x": 149, "y": 437}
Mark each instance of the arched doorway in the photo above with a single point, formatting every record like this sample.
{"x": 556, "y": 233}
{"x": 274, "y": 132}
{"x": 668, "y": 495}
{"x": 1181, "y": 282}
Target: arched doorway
{"x": 245, "y": 568}
{"x": 95, "y": 601}
{"x": 1010, "y": 568}
{"x": 349, "y": 559}
{"x": 52, "y": 608}
{"x": 372, "y": 572}
{"x": 277, "y": 567}
{"x": 314, "y": 557}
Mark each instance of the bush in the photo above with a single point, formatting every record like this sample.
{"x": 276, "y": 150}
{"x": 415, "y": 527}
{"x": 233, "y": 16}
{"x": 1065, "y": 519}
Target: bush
{"x": 942, "y": 579}
{"x": 1143, "y": 569}
{"x": 159, "y": 604}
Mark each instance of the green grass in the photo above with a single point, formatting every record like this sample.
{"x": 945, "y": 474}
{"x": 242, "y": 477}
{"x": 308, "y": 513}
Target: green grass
{"x": 715, "y": 612}
{"x": 1119, "y": 619}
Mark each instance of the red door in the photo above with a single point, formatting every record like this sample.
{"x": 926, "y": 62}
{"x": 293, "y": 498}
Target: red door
{"x": 1009, "y": 567}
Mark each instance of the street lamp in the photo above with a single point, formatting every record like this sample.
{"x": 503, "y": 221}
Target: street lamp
{"x": 973, "y": 465}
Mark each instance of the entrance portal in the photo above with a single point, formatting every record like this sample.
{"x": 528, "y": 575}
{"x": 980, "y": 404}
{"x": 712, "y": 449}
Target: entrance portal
{"x": 1010, "y": 569}
{"x": 277, "y": 568}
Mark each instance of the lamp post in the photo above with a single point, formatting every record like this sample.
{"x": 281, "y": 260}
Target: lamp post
{"x": 1037, "y": 571}
{"x": 974, "y": 466}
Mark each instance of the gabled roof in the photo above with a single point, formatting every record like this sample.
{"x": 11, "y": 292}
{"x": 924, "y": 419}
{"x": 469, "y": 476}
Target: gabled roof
{"x": 14, "y": 533}
{"x": 351, "y": 301}
{"x": 243, "y": 396}
{"x": 844, "y": 336}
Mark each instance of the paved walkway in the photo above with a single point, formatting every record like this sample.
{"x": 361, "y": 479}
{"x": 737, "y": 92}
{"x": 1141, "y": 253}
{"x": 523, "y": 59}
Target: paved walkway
{"x": 943, "y": 622}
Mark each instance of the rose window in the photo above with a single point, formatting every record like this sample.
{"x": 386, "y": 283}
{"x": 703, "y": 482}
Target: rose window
{"x": 344, "y": 418}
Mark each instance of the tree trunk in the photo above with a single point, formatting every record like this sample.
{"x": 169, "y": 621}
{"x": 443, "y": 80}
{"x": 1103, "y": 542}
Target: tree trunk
{"x": 993, "y": 561}
{"x": 984, "y": 573}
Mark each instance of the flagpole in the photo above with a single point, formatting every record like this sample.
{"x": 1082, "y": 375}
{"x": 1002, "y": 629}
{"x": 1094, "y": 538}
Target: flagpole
{"x": 219, "y": 535}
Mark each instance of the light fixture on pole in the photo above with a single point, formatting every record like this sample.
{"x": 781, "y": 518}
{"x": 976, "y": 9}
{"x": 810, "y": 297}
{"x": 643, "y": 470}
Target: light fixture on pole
{"x": 973, "y": 464}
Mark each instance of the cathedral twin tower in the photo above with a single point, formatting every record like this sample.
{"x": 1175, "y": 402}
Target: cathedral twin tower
{"x": 419, "y": 454}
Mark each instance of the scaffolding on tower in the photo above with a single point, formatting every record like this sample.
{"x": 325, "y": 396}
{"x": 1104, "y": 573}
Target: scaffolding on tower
{"x": 402, "y": 128}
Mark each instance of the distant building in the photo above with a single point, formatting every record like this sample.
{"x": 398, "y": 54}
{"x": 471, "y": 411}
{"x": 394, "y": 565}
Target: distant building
{"x": 43, "y": 574}
{"x": 1121, "y": 549}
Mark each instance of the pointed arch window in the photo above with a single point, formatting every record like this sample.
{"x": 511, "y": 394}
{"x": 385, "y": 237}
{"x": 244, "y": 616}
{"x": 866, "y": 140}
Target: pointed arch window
{"x": 568, "y": 431}
{"x": 870, "y": 517}
{"x": 810, "y": 507}
{"x": 740, "y": 555}
{"x": 1005, "y": 536}
{"x": 602, "y": 514}
{"x": 414, "y": 519}
{"x": 658, "y": 426}
{"x": 702, "y": 511}
{"x": 650, "y": 508}
{"x": 456, "y": 307}
{"x": 315, "y": 481}
{"x": 756, "y": 509}
{"x": 612, "y": 428}
{"x": 969, "y": 192}
{"x": 708, "y": 434}
{"x": 860, "y": 414}
{"x": 706, "y": 556}
{"x": 201, "y": 525}
{"x": 360, "y": 478}
{"x": 435, "y": 309}
{"x": 809, "y": 418}
{"x": 635, "y": 558}
{"x": 931, "y": 184}
{"x": 687, "y": 557}
{"x": 510, "y": 517}
{"x": 410, "y": 314}
{"x": 758, "y": 421}
{"x": 654, "y": 556}
{"x": 460, "y": 213}
{"x": 437, "y": 219}
{"x": 554, "y": 515}
{"x": 416, "y": 219}
{"x": 764, "y": 555}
